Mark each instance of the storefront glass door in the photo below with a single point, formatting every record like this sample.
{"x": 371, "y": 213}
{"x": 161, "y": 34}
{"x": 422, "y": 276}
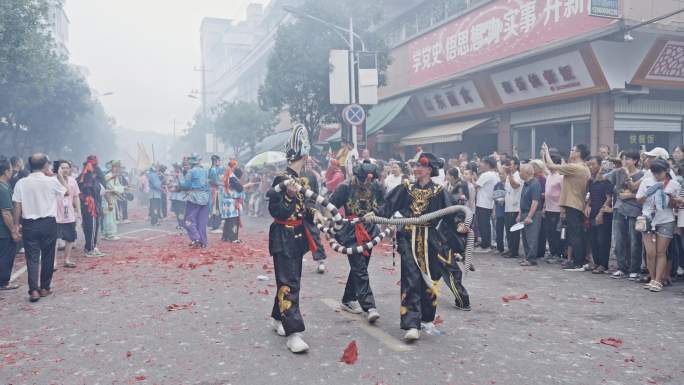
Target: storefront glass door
{"x": 528, "y": 140}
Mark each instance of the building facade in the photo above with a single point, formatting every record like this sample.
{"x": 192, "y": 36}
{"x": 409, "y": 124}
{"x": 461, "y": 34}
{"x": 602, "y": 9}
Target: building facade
{"x": 509, "y": 75}
{"x": 58, "y": 24}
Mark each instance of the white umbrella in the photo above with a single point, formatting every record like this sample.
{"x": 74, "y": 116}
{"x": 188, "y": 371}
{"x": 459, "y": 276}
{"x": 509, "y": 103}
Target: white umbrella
{"x": 268, "y": 157}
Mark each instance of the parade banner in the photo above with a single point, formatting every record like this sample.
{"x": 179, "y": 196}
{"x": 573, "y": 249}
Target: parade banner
{"x": 502, "y": 29}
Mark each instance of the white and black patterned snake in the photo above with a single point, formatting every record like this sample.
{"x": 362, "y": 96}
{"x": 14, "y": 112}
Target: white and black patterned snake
{"x": 338, "y": 222}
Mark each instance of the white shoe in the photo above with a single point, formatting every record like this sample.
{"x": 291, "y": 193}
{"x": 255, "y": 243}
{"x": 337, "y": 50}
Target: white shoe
{"x": 217, "y": 231}
{"x": 113, "y": 238}
{"x": 98, "y": 253}
{"x": 90, "y": 254}
{"x": 296, "y": 344}
{"x": 680, "y": 271}
{"x": 321, "y": 267}
{"x": 126, "y": 221}
{"x": 61, "y": 244}
{"x": 351, "y": 307}
{"x": 618, "y": 274}
{"x": 278, "y": 327}
{"x": 633, "y": 276}
{"x": 412, "y": 334}
{"x": 21, "y": 251}
{"x": 373, "y": 315}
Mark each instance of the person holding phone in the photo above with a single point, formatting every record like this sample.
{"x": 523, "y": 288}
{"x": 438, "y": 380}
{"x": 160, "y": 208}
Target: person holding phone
{"x": 658, "y": 194}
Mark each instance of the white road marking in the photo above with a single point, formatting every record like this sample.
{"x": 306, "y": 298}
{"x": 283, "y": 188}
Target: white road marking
{"x": 373, "y": 331}
{"x": 17, "y": 274}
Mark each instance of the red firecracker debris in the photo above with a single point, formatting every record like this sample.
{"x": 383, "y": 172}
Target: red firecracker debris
{"x": 140, "y": 378}
{"x": 351, "y": 354}
{"x": 515, "y": 297}
{"x": 439, "y": 320}
{"x": 128, "y": 354}
{"x": 182, "y": 306}
{"x": 610, "y": 341}
{"x": 264, "y": 291}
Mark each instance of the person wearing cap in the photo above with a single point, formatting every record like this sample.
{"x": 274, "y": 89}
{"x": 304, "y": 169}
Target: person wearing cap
{"x": 196, "y": 184}
{"x": 658, "y": 194}
{"x": 113, "y": 191}
{"x": 573, "y": 194}
{"x": 289, "y": 238}
{"x": 90, "y": 183}
{"x": 359, "y": 196}
{"x": 418, "y": 245}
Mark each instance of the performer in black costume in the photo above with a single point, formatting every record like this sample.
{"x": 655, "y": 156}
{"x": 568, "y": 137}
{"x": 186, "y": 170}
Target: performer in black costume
{"x": 359, "y": 196}
{"x": 290, "y": 237}
{"x": 454, "y": 233}
{"x": 420, "y": 246}
{"x": 308, "y": 179}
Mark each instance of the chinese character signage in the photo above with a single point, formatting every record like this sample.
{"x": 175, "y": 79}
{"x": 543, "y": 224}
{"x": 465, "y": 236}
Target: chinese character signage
{"x": 605, "y": 8}
{"x": 557, "y": 75}
{"x": 458, "y": 97}
{"x": 496, "y": 31}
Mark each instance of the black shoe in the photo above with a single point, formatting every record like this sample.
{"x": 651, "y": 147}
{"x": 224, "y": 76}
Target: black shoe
{"x": 465, "y": 307}
{"x": 34, "y": 296}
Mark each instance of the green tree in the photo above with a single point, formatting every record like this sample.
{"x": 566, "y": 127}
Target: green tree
{"x": 298, "y": 69}
{"x": 241, "y": 125}
{"x": 44, "y": 101}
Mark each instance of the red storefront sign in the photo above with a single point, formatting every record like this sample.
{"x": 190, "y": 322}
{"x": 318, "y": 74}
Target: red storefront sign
{"x": 496, "y": 31}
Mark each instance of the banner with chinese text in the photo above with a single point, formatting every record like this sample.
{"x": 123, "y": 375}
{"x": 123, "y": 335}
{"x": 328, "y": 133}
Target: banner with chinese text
{"x": 497, "y": 31}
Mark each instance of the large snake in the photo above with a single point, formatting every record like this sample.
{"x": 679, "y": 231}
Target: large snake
{"x": 338, "y": 222}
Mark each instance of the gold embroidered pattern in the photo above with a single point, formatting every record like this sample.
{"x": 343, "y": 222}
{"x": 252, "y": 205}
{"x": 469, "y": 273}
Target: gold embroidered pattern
{"x": 420, "y": 250}
{"x": 361, "y": 201}
{"x": 284, "y": 304}
{"x": 420, "y": 198}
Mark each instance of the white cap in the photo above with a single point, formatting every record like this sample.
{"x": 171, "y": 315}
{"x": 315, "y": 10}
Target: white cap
{"x": 658, "y": 152}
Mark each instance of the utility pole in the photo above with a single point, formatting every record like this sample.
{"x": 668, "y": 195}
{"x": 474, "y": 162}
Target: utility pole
{"x": 352, "y": 78}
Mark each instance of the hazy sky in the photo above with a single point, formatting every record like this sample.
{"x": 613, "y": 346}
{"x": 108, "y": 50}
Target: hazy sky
{"x": 144, "y": 52}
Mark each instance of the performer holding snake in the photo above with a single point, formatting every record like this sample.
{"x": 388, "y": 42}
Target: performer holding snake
{"x": 359, "y": 196}
{"x": 290, "y": 237}
{"x": 420, "y": 245}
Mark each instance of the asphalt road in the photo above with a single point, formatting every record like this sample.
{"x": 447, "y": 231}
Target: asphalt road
{"x": 108, "y": 323}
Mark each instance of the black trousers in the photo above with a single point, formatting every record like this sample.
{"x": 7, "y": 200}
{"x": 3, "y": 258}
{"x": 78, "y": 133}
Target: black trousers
{"x": 287, "y": 267}
{"x": 8, "y": 250}
{"x": 453, "y": 277}
{"x": 484, "y": 224}
{"x": 164, "y": 205}
{"x": 418, "y": 301}
{"x": 358, "y": 284}
{"x": 500, "y": 230}
{"x": 40, "y": 238}
{"x": 575, "y": 234}
{"x": 513, "y": 237}
{"x": 600, "y": 240}
{"x": 122, "y": 205}
{"x": 231, "y": 229}
{"x": 552, "y": 234}
{"x": 541, "y": 245}
{"x": 91, "y": 226}
{"x": 155, "y": 210}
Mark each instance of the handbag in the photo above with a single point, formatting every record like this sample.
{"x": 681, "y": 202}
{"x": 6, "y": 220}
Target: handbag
{"x": 641, "y": 224}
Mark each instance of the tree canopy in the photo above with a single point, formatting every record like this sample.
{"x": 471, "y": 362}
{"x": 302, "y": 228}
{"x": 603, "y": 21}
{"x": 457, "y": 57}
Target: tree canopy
{"x": 241, "y": 125}
{"x": 298, "y": 69}
{"x": 45, "y": 103}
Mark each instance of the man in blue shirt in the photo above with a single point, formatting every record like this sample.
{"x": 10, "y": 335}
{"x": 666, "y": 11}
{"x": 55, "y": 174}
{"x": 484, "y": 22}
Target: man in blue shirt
{"x": 9, "y": 234}
{"x": 197, "y": 210}
{"x": 530, "y": 214}
{"x": 155, "y": 195}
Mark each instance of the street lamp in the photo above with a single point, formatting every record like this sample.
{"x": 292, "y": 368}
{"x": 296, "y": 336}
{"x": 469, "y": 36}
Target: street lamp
{"x": 350, "y": 43}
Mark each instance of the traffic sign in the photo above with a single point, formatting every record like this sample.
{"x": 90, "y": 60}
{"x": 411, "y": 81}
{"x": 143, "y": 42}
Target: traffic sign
{"x": 354, "y": 114}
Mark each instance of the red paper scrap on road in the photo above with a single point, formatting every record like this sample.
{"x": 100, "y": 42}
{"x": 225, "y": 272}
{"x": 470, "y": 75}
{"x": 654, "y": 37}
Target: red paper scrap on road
{"x": 128, "y": 354}
{"x": 515, "y": 297}
{"x": 351, "y": 354}
{"x": 439, "y": 320}
{"x": 182, "y": 306}
{"x": 264, "y": 291}
{"x": 140, "y": 378}
{"x": 610, "y": 341}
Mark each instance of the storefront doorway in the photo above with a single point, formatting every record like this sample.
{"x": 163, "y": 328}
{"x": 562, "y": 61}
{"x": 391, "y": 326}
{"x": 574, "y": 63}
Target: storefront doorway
{"x": 527, "y": 140}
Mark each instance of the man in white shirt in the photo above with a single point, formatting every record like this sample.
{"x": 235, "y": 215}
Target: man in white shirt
{"x": 35, "y": 207}
{"x": 484, "y": 203}
{"x": 394, "y": 179}
{"x": 513, "y": 186}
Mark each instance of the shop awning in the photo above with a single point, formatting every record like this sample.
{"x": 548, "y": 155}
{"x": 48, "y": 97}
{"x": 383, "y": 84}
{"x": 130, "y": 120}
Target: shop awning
{"x": 452, "y": 132}
{"x": 379, "y": 116}
{"x": 273, "y": 142}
